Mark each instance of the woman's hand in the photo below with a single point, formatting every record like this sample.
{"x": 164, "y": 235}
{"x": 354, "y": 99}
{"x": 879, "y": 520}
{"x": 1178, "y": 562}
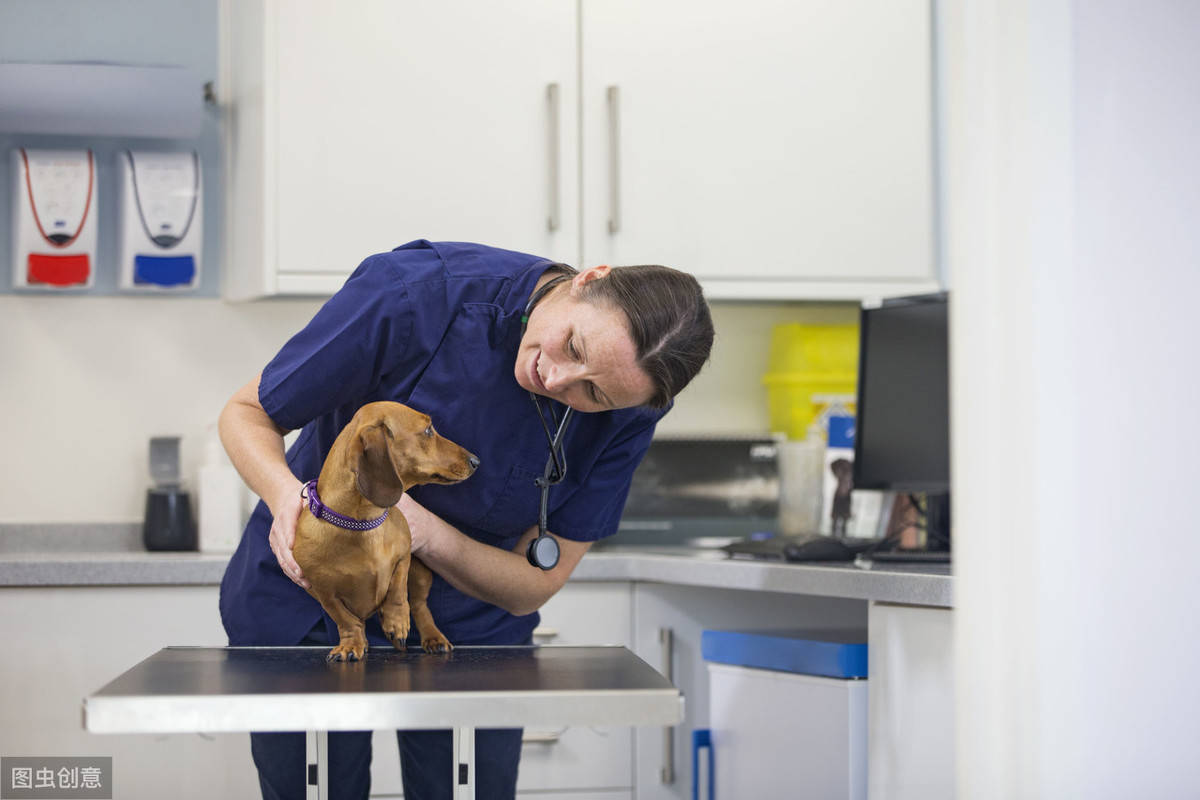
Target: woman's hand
{"x": 418, "y": 518}
{"x": 286, "y": 511}
{"x": 255, "y": 446}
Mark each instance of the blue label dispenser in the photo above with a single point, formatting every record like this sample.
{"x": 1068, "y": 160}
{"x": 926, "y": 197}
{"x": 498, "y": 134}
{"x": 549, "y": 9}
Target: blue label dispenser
{"x": 161, "y": 220}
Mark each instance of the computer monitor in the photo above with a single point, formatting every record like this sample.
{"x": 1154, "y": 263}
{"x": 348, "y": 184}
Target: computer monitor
{"x": 902, "y": 429}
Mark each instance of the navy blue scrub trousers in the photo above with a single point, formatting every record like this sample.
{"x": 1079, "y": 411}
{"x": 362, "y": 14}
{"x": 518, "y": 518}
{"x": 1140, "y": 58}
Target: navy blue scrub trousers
{"x": 425, "y": 761}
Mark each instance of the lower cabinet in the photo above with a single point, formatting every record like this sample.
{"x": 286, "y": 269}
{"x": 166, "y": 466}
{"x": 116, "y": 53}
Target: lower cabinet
{"x": 63, "y": 643}
{"x": 668, "y": 621}
{"x": 66, "y": 642}
{"x": 582, "y": 758}
{"x": 911, "y": 711}
{"x": 580, "y": 763}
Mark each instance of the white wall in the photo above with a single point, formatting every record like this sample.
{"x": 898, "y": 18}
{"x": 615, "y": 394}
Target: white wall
{"x": 1074, "y": 195}
{"x": 86, "y": 381}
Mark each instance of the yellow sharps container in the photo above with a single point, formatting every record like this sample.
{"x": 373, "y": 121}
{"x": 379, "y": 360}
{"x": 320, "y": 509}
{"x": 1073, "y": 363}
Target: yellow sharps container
{"x": 811, "y": 367}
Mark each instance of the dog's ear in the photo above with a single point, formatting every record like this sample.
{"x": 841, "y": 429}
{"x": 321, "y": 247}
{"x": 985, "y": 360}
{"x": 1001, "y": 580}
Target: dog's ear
{"x": 375, "y": 474}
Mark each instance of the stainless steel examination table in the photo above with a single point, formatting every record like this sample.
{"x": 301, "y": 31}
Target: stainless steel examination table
{"x": 235, "y": 689}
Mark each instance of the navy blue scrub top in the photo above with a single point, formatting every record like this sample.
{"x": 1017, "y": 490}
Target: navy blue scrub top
{"x": 435, "y": 326}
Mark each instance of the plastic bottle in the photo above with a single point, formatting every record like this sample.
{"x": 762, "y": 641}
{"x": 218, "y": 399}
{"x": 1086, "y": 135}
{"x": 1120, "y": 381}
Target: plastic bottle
{"x": 800, "y": 482}
{"x": 220, "y": 488}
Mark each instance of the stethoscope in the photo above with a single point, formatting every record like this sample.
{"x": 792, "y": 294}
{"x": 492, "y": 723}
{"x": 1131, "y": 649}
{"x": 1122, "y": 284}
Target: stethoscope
{"x": 543, "y": 551}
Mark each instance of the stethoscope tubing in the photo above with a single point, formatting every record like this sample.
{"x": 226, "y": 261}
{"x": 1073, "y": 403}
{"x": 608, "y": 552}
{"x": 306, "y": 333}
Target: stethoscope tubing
{"x": 543, "y": 551}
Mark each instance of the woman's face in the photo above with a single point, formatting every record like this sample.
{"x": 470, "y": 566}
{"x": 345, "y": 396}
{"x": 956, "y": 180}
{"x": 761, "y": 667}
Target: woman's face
{"x": 580, "y": 353}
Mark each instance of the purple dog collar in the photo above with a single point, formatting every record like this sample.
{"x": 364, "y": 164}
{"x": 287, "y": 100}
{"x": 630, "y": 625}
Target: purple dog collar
{"x": 322, "y": 511}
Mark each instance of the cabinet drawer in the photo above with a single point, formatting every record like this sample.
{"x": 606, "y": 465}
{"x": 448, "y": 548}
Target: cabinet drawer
{"x": 561, "y": 759}
{"x": 576, "y": 758}
{"x": 588, "y": 613}
{"x": 610, "y": 794}
{"x": 582, "y": 613}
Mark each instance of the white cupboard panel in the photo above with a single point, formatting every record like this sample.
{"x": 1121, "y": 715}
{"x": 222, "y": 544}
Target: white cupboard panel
{"x": 359, "y": 127}
{"x": 771, "y": 140}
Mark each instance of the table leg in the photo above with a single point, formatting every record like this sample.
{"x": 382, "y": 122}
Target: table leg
{"x": 316, "y": 767}
{"x": 464, "y": 764}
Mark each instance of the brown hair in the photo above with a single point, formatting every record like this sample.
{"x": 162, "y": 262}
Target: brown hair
{"x": 669, "y": 322}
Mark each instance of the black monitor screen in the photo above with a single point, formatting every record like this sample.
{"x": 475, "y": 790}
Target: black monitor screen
{"x": 902, "y": 436}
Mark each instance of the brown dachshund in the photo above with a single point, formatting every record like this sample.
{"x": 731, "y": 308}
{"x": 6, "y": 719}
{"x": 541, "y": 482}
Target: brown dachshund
{"x": 386, "y": 449}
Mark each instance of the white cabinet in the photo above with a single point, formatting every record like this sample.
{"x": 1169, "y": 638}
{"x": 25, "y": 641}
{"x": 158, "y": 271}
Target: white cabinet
{"x": 597, "y": 761}
{"x": 664, "y": 758}
{"x": 911, "y": 710}
{"x": 773, "y": 149}
{"x": 582, "y": 613}
{"x": 353, "y": 128}
{"x": 65, "y": 642}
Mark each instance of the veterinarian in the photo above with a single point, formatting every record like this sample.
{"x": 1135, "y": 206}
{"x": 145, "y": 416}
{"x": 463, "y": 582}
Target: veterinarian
{"x": 439, "y": 327}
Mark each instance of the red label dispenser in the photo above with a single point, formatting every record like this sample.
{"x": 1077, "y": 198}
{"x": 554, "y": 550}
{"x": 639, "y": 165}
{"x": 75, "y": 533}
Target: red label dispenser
{"x": 54, "y": 215}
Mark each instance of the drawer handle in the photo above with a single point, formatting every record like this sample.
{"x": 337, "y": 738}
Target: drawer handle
{"x": 541, "y": 737}
{"x": 545, "y": 633}
{"x": 666, "y": 640}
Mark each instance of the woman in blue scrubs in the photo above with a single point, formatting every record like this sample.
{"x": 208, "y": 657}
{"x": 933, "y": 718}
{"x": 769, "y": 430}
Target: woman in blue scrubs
{"x": 439, "y": 327}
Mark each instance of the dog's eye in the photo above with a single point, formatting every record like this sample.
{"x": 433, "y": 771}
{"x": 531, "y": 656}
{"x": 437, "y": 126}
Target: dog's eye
{"x": 429, "y": 431}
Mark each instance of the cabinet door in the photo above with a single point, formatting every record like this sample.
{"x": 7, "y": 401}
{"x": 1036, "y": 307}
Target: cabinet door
{"x": 763, "y": 143}
{"x": 911, "y": 710}
{"x": 587, "y": 613}
{"x": 405, "y": 120}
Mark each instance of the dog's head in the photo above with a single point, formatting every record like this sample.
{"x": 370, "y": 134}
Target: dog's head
{"x": 395, "y": 448}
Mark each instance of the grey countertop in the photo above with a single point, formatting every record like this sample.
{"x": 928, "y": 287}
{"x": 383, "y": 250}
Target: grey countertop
{"x": 925, "y": 585}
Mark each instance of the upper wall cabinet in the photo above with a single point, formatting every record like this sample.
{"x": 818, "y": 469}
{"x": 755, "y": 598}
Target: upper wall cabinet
{"x": 356, "y": 127}
{"x": 774, "y": 149}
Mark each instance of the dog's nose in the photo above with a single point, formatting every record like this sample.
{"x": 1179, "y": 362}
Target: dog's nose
{"x": 474, "y": 462}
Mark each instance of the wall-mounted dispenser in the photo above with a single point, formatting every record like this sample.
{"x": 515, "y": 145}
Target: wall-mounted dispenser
{"x": 161, "y": 220}
{"x": 54, "y": 218}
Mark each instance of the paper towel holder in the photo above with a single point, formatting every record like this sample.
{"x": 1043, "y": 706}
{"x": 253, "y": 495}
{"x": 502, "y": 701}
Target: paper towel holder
{"x": 100, "y": 99}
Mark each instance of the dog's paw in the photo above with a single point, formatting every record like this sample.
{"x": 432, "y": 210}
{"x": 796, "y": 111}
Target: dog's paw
{"x": 436, "y": 644}
{"x": 396, "y": 630}
{"x": 348, "y": 651}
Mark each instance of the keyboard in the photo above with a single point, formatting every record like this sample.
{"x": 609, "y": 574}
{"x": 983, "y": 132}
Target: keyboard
{"x": 813, "y": 547}
{"x": 770, "y": 549}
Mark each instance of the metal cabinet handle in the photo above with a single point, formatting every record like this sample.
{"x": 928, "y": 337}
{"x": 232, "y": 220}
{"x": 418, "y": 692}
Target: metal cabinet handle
{"x": 666, "y": 640}
{"x": 553, "y": 122}
{"x": 614, "y": 158}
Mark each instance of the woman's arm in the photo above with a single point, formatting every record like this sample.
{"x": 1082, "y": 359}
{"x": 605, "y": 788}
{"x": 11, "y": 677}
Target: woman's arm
{"x": 255, "y": 446}
{"x": 500, "y": 577}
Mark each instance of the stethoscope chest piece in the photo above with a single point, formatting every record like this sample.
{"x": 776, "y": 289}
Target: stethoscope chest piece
{"x": 543, "y": 552}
